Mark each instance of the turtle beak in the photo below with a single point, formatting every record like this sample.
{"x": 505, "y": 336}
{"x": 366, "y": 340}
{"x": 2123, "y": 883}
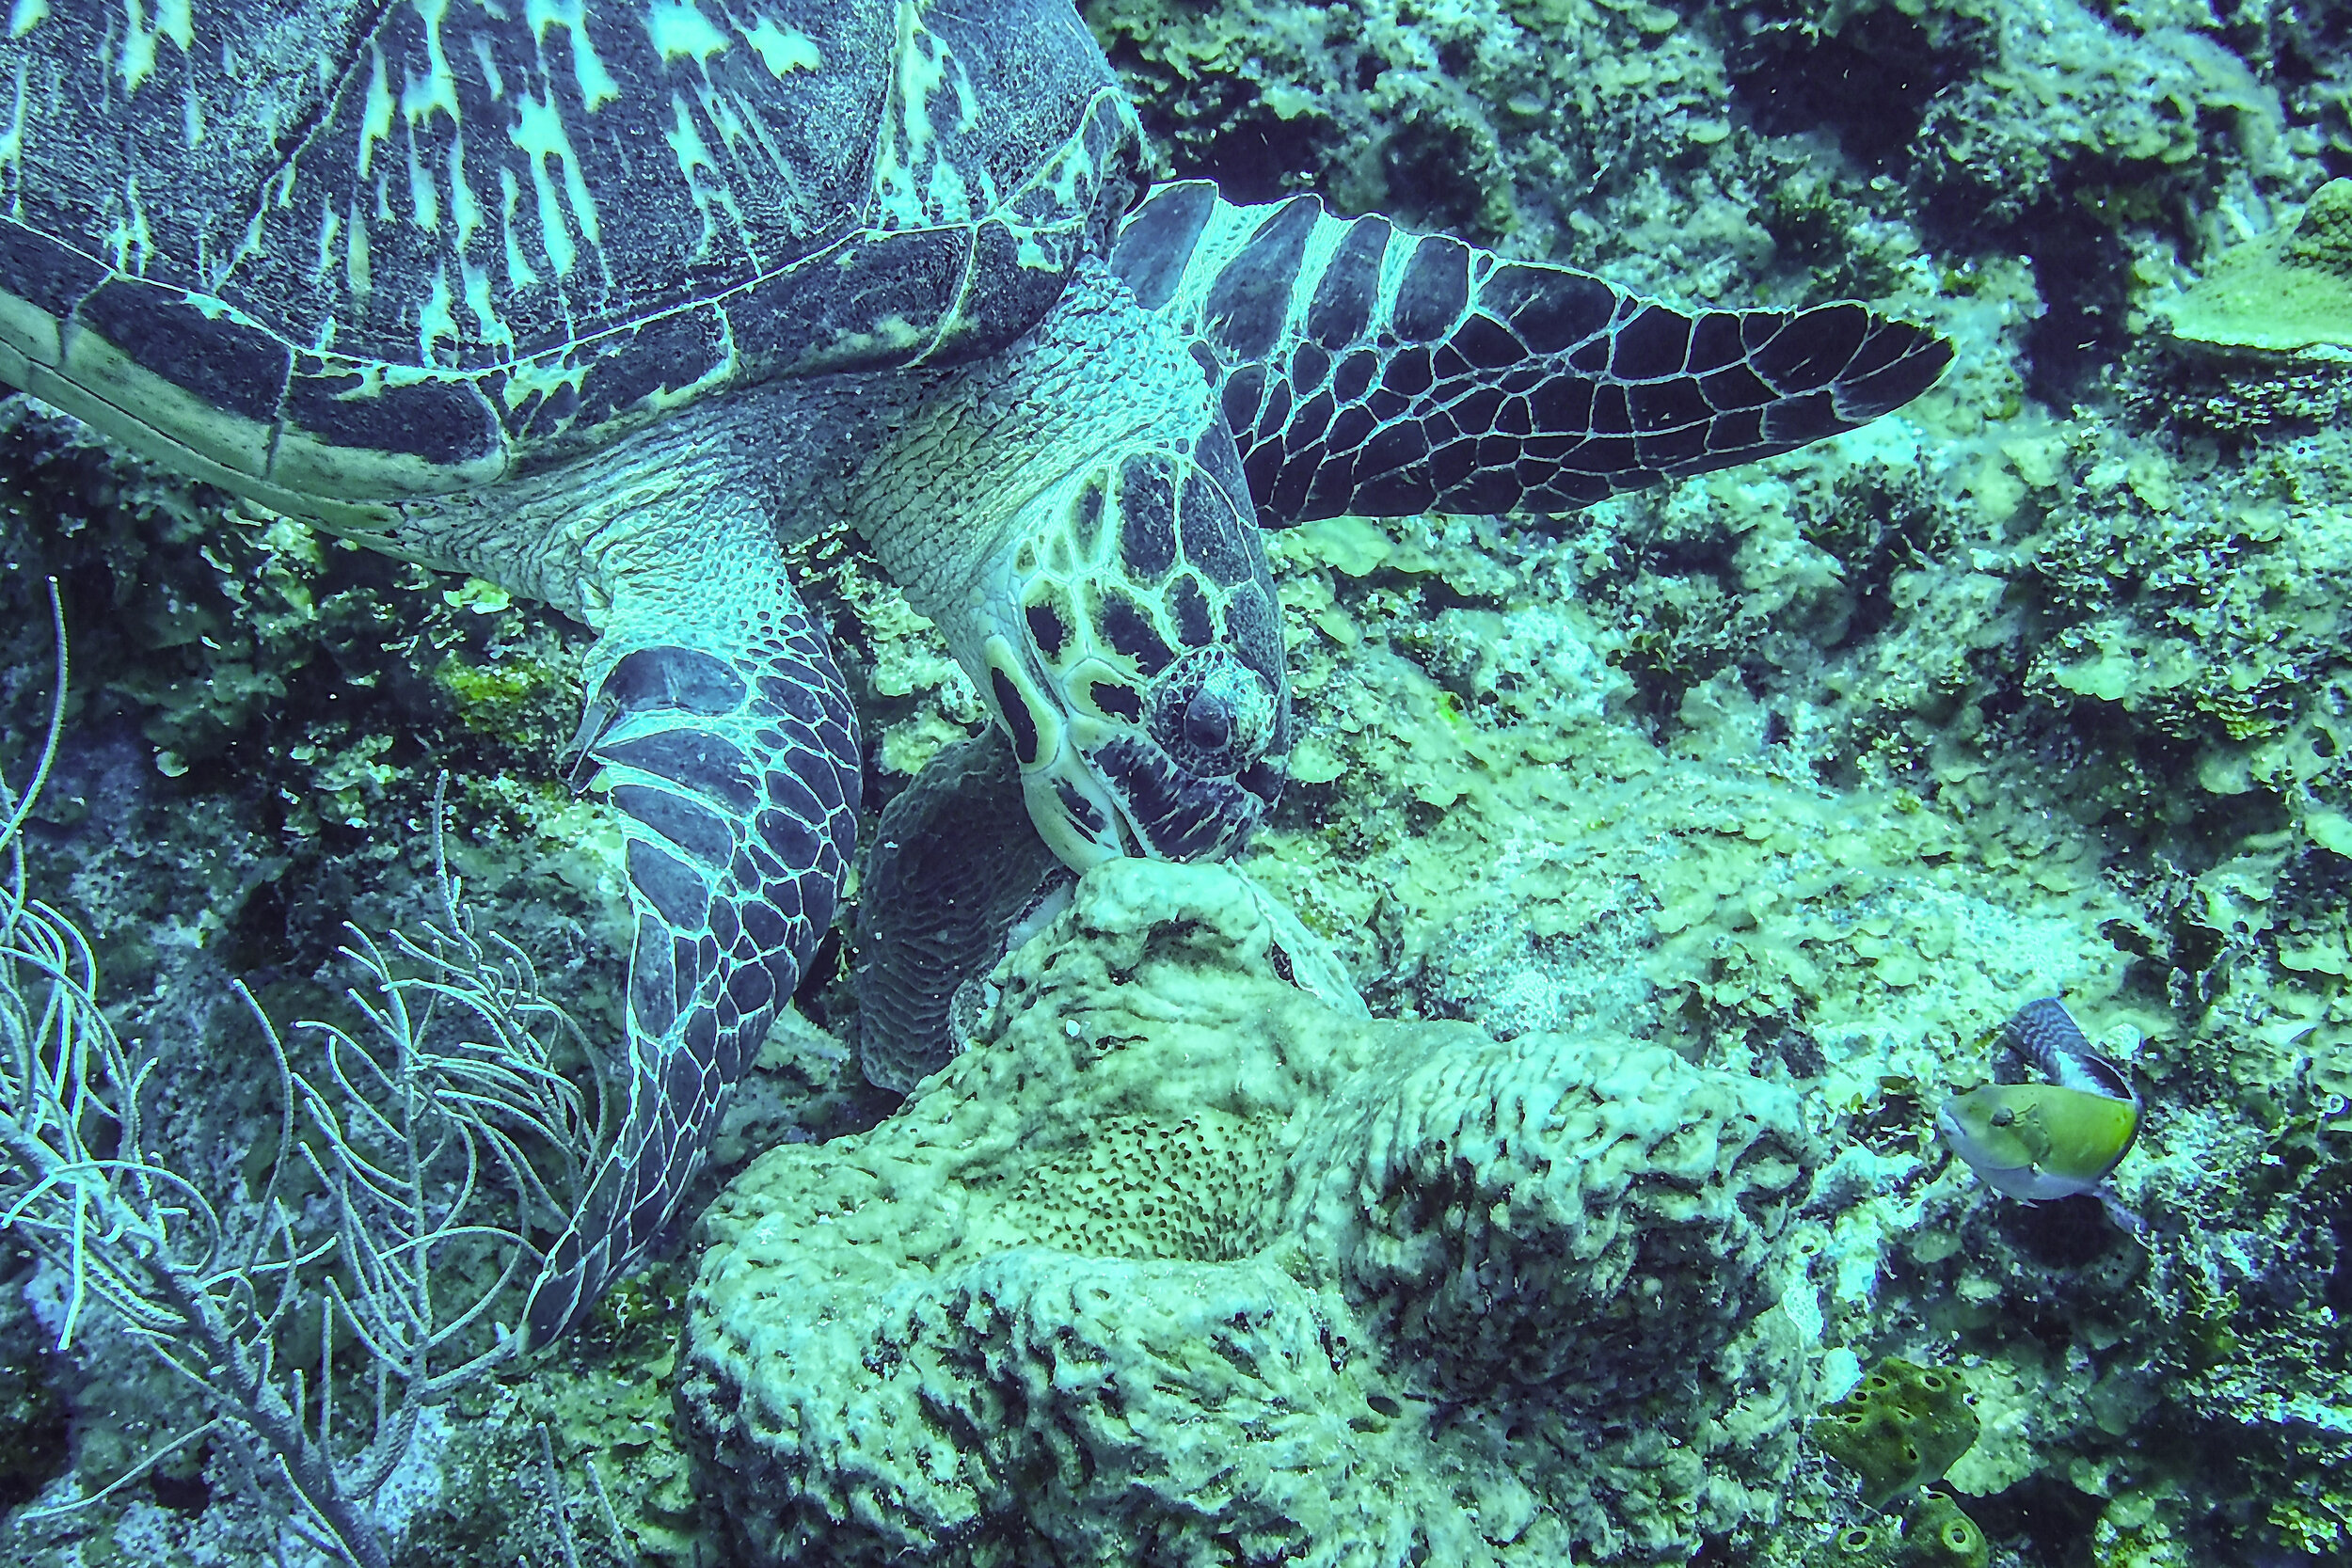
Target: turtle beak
{"x": 1107, "y": 792}
{"x": 1081, "y": 821}
{"x": 1079, "y": 818}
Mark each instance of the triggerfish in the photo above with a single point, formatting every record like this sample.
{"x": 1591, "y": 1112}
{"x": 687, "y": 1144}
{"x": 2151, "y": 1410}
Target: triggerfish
{"x": 2041, "y": 1141}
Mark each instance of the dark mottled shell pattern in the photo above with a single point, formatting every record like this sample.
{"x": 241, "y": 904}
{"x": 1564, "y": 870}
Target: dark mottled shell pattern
{"x": 349, "y": 253}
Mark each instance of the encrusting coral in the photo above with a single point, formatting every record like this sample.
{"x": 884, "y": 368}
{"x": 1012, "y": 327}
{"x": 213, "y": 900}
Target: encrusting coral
{"x": 1189, "y": 1259}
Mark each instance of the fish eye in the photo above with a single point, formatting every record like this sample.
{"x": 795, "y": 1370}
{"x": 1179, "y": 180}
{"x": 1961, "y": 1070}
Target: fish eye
{"x": 2003, "y": 1117}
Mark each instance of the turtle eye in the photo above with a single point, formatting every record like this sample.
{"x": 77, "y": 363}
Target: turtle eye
{"x": 1208, "y": 722}
{"x": 1212, "y": 713}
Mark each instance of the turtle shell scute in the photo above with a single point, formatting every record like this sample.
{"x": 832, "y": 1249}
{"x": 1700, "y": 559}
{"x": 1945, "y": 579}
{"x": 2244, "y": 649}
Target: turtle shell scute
{"x": 404, "y": 248}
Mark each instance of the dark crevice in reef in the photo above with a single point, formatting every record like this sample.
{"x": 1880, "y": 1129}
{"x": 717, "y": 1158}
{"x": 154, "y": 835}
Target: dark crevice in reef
{"x": 1257, "y": 157}
{"x": 2082, "y": 273}
{"x": 2048, "y": 1521}
{"x": 1870, "y": 83}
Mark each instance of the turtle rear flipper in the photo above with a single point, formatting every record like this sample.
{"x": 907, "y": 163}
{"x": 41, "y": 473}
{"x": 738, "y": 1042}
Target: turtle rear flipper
{"x": 1364, "y": 370}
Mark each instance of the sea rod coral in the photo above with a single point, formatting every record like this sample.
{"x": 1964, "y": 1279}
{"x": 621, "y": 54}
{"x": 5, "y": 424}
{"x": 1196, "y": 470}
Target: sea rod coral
{"x": 438, "y": 1138}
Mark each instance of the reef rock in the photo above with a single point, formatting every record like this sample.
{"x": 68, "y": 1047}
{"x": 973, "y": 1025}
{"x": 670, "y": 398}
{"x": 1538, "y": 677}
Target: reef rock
{"x": 1189, "y": 1262}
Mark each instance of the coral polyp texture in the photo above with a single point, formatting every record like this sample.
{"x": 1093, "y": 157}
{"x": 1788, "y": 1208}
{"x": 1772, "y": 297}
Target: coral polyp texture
{"x": 1185, "y": 1262}
{"x": 2290, "y": 289}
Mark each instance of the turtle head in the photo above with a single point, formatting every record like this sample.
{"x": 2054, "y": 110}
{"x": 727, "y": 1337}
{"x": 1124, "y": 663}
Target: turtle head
{"x": 1141, "y": 677}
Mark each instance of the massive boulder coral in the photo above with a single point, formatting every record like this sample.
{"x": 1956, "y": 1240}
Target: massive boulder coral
{"x": 1187, "y": 1260}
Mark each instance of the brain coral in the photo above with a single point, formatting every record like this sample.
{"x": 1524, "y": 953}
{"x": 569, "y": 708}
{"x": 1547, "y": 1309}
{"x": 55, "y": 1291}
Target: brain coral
{"x": 1184, "y": 1263}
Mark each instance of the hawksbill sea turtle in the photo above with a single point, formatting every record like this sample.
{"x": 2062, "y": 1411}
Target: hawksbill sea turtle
{"x": 606, "y": 302}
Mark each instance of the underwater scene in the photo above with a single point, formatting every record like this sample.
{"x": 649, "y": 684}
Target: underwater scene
{"x": 1176, "y": 783}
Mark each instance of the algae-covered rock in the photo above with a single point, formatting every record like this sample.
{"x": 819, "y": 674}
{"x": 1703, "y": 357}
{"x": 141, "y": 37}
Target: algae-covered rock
{"x": 1181, "y": 1264}
{"x": 1903, "y": 1426}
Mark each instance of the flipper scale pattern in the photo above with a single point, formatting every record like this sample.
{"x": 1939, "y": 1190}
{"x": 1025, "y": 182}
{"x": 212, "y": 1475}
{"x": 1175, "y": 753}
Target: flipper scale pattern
{"x": 735, "y": 775}
{"x": 1363, "y": 370}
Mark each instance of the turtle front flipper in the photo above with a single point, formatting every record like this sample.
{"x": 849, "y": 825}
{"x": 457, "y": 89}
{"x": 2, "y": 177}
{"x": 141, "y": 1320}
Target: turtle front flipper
{"x": 730, "y": 749}
{"x": 1364, "y": 370}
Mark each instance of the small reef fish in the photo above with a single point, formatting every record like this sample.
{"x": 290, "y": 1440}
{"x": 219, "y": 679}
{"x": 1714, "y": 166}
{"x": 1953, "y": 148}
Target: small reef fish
{"x": 2041, "y": 1141}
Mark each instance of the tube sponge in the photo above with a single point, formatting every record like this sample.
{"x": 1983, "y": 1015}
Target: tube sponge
{"x": 1903, "y": 1426}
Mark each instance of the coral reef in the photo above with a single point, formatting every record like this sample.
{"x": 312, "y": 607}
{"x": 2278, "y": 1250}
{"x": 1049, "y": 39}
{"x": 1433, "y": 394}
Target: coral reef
{"x": 2291, "y": 289}
{"x": 1811, "y": 772}
{"x": 1181, "y": 1260}
{"x": 2261, "y": 344}
{"x": 937, "y": 914}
